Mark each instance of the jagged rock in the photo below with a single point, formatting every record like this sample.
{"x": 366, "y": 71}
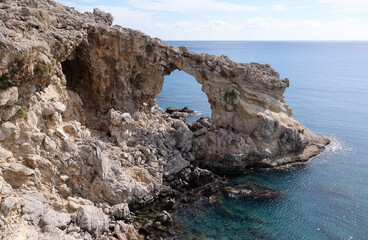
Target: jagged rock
{"x": 5, "y": 188}
{"x": 179, "y": 124}
{"x": 147, "y": 227}
{"x": 16, "y": 174}
{"x": 186, "y": 110}
{"x": 32, "y": 209}
{"x": 171, "y": 110}
{"x": 5, "y": 154}
{"x": 56, "y": 219}
{"x": 200, "y": 177}
{"x": 176, "y": 164}
{"x": 236, "y": 192}
{"x": 92, "y": 220}
{"x": 72, "y": 228}
{"x": 8, "y": 130}
{"x": 120, "y": 211}
{"x": 180, "y": 115}
{"x": 9, "y": 112}
{"x": 8, "y": 96}
{"x": 169, "y": 204}
{"x": 164, "y": 218}
{"x": 128, "y": 230}
{"x": 59, "y": 107}
{"x": 183, "y": 139}
{"x": 52, "y": 232}
{"x": 7, "y": 205}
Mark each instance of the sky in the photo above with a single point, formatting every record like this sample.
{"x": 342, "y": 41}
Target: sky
{"x": 238, "y": 19}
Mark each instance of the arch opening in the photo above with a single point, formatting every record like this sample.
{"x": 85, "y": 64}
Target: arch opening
{"x": 181, "y": 90}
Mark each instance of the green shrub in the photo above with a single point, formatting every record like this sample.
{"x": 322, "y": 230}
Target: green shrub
{"x": 45, "y": 70}
{"x": 140, "y": 60}
{"x": 5, "y": 81}
{"x": 22, "y": 112}
{"x": 222, "y": 73}
{"x": 149, "y": 49}
{"x": 230, "y": 95}
{"x": 203, "y": 75}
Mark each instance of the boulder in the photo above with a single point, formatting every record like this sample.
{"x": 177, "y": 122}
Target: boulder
{"x": 164, "y": 218}
{"x": 120, "y": 211}
{"x": 17, "y": 174}
{"x": 5, "y": 188}
{"x": 5, "y": 154}
{"x": 175, "y": 165}
{"x": 7, "y": 205}
{"x": 52, "y": 232}
{"x": 10, "y": 112}
{"x": 8, "y": 96}
{"x": 171, "y": 110}
{"x": 237, "y": 192}
{"x": 32, "y": 209}
{"x": 56, "y": 219}
{"x": 186, "y": 110}
{"x": 147, "y": 227}
{"x": 92, "y": 220}
{"x": 200, "y": 177}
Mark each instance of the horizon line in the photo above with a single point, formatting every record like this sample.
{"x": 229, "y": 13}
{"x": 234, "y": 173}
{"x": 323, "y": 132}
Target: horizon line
{"x": 268, "y": 40}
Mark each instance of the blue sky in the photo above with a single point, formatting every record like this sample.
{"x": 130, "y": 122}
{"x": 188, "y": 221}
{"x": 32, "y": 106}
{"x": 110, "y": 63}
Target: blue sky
{"x": 238, "y": 20}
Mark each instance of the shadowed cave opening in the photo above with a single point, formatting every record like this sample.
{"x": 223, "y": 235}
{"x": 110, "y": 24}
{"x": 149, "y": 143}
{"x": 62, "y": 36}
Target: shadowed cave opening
{"x": 182, "y": 90}
{"x": 79, "y": 80}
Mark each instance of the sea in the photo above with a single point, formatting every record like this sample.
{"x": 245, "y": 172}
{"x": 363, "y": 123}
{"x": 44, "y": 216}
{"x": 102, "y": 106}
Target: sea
{"x": 326, "y": 198}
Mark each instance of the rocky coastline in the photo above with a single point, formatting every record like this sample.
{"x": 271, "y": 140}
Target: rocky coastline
{"x": 85, "y": 153}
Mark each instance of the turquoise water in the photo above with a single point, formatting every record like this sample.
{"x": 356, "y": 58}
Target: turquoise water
{"x": 328, "y": 197}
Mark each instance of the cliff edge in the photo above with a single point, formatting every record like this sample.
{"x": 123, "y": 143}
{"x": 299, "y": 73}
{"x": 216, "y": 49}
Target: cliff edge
{"x": 80, "y": 127}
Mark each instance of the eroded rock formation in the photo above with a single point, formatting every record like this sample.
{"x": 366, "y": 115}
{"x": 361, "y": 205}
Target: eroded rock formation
{"x": 80, "y": 126}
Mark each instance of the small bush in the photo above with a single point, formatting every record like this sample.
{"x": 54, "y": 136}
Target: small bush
{"x": 223, "y": 74}
{"x": 140, "y": 60}
{"x": 230, "y": 95}
{"x": 51, "y": 67}
{"x": 149, "y": 49}
{"x": 22, "y": 112}
{"x": 203, "y": 75}
{"x": 5, "y": 81}
{"x": 45, "y": 70}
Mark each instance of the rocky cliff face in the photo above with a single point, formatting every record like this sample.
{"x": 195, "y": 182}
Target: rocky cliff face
{"x": 80, "y": 126}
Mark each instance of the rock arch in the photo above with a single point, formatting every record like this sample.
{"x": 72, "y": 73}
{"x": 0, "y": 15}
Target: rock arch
{"x": 127, "y": 70}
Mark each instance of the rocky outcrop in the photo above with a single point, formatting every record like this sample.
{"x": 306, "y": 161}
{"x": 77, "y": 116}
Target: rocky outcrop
{"x": 80, "y": 126}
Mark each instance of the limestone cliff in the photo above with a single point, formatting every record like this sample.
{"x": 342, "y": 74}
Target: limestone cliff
{"x": 80, "y": 125}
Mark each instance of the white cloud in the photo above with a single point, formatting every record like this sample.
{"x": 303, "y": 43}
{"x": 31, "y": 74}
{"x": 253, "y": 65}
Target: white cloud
{"x": 259, "y": 28}
{"x": 348, "y": 5}
{"x": 123, "y": 16}
{"x": 190, "y": 5}
{"x": 127, "y": 17}
{"x": 281, "y": 7}
{"x": 348, "y": 21}
{"x": 221, "y": 28}
{"x": 278, "y": 23}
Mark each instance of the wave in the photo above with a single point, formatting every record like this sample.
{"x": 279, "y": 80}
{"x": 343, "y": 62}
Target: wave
{"x": 338, "y": 146}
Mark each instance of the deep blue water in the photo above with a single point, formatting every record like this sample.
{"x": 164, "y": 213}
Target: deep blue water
{"x": 328, "y": 197}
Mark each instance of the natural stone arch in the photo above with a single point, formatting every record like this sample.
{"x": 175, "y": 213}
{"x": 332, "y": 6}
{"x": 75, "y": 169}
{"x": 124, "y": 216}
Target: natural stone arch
{"x": 182, "y": 90}
{"x": 246, "y": 100}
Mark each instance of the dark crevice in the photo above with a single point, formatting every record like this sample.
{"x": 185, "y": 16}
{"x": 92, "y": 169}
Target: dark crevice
{"x": 79, "y": 79}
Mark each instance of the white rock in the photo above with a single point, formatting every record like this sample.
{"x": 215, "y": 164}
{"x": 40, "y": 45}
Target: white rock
{"x": 59, "y": 107}
{"x": 8, "y": 96}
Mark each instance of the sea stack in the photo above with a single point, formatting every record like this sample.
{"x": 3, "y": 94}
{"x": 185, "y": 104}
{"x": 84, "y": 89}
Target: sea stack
{"x": 81, "y": 132}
